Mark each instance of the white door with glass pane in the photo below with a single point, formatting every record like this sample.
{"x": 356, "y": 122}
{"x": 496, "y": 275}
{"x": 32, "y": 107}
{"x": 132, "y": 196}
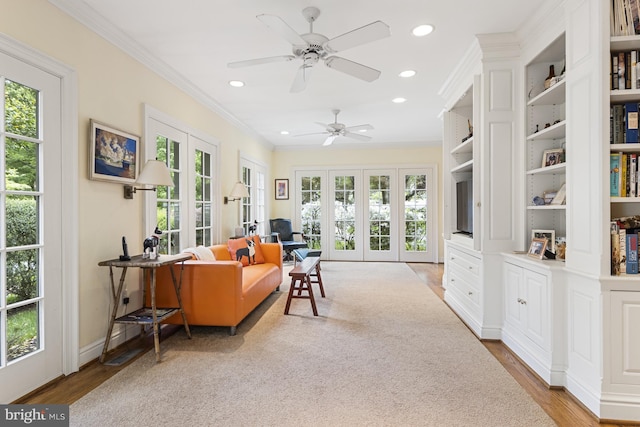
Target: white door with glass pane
{"x": 312, "y": 209}
{"x": 381, "y": 216}
{"x": 418, "y": 202}
{"x": 202, "y": 158}
{"x": 345, "y": 230}
{"x": 31, "y": 153}
{"x": 253, "y": 209}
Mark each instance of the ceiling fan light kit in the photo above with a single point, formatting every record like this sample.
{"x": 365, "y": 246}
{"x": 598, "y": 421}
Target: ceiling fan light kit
{"x": 312, "y": 47}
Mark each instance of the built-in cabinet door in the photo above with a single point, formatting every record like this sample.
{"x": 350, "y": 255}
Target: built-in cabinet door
{"x": 513, "y": 291}
{"x": 625, "y": 337}
{"x": 536, "y": 302}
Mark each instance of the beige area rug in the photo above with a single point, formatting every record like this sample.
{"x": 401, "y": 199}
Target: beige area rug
{"x": 385, "y": 351}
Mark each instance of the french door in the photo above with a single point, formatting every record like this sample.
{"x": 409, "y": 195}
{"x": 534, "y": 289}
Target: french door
{"x": 186, "y": 212}
{"x": 31, "y": 315}
{"x": 369, "y": 214}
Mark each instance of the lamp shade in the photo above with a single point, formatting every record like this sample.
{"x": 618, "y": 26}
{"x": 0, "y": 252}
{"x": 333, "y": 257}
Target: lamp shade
{"x": 239, "y": 191}
{"x": 155, "y": 173}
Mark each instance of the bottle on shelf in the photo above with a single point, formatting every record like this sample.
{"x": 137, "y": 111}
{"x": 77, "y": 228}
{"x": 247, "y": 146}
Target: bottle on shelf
{"x": 550, "y": 80}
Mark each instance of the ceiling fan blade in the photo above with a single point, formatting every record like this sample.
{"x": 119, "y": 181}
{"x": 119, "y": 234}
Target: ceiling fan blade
{"x": 282, "y": 28}
{"x": 357, "y": 136}
{"x": 329, "y": 140}
{"x": 371, "y": 32}
{"x": 314, "y": 133}
{"x": 258, "y": 61}
{"x": 300, "y": 82}
{"x": 354, "y": 69}
{"x": 358, "y": 128}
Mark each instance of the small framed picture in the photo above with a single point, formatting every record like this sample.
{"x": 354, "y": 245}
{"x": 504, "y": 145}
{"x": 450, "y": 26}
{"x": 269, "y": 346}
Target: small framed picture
{"x": 113, "y": 155}
{"x": 536, "y": 250}
{"x": 552, "y": 157}
{"x": 550, "y": 235}
{"x": 282, "y": 189}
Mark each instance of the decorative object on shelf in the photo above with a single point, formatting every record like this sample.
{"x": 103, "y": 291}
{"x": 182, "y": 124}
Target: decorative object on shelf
{"x": 253, "y": 227}
{"x": 561, "y": 247}
{"x": 537, "y": 248}
{"x": 548, "y": 81}
{"x": 150, "y": 245}
{"x": 552, "y": 157}
{"x": 470, "y": 131}
{"x": 561, "y": 196}
{"x": 155, "y": 173}
{"x": 538, "y": 201}
{"x": 113, "y": 155}
{"x": 550, "y": 235}
{"x": 282, "y": 189}
{"x": 238, "y": 192}
{"x": 548, "y": 196}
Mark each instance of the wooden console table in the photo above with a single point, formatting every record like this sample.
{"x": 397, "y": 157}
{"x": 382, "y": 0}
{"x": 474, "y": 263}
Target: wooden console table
{"x": 146, "y": 315}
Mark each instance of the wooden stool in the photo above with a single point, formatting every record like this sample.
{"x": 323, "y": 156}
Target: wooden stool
{"x": 301, "y": 281}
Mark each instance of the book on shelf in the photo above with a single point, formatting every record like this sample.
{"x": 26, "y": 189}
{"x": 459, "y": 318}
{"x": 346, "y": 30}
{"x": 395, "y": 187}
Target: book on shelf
{"x": 624, "y": 17}
{"x": 622, "y": 236}
{"x": 615, "y": 252}
{"x": 633, "y": 175}
{"x": 614, "y": 174}
{"x": 632, "y": 253}
{"x": 631, "y": 122}
{"x": 623, "y": 175}
{"x": 624, "y": 69}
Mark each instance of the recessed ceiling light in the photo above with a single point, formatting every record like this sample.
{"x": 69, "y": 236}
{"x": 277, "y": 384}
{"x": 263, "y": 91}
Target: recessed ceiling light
{"x": 422, "y": 30}
{"x": 398, "y": 100}
{"x": 407, "y": 73}
{"x": 284, "y": 132}
{"x": 236, "y": 83}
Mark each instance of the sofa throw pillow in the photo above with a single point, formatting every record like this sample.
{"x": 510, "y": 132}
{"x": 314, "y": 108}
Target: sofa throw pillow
{"x": 246, "y": 250}
{"x": 201, "y": 253}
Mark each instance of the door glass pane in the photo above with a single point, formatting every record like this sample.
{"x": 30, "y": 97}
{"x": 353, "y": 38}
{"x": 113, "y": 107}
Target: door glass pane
{"x": 23, "y": 326}
{"x": 379, "y": 213}
{"x": 21, "y": 109}
{"x": 345, "y": 213}
{"x": 203, "y": 202}
{"x": 168, "y": 203}
{"x": 22, "y": 275}
{"x": 21, "y": 172}
{"x": 415, "y": 213}
{"x": 311, "y": 198}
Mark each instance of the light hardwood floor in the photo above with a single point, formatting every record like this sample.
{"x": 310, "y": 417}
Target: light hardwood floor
{"x": 559, "y": 404}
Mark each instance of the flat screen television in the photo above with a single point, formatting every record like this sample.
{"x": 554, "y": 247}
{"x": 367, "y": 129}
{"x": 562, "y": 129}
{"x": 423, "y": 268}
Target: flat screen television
{"x": 464, "y": 207}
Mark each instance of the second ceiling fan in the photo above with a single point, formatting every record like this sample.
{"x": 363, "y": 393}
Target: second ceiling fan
{"x": 313, "y": 47}
{"x": 335, "y": 130}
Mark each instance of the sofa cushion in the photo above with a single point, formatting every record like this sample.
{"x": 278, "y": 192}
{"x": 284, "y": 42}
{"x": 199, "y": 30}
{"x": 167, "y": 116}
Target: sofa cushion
{"x": 246, "y": 250}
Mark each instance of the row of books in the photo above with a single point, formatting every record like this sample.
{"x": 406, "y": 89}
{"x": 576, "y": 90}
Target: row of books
{"x": 625, "y": 19}
{"x": 624, "y": 250}
{"x": 625, "y": 70}
{"x": 623, "y": 123}
{"x": 624, "y": 175}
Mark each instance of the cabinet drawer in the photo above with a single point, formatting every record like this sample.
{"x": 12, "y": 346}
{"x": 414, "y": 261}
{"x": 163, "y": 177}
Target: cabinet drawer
{"x": 467, "y": 292}
{"x": 465, "y": 261}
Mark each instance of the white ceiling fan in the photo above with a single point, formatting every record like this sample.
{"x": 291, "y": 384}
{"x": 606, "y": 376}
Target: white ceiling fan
{"x": 336, "y": 129}
{"x": 313, "y": 47}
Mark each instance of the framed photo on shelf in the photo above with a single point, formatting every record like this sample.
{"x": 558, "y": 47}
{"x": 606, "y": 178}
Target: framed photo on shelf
{"x": 113, "y": 155}
{"x": 282, "y": 189}
{"x": 552, "y": 157}
{"x": 536, "y": 250}
{"x": 550, "y": 235}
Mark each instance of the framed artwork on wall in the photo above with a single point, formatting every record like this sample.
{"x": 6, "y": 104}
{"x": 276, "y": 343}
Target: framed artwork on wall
{"x": 282, "y": 189}
{"x": 113, "y": 154}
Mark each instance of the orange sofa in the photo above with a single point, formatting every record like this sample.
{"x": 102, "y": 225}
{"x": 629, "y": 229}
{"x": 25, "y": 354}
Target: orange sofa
{"x": 220, "y": 292}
